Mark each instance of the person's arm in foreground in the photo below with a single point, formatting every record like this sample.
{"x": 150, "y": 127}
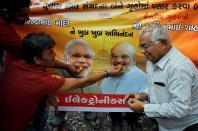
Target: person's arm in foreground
{"x": 73, "y": 83}
{"x": 62, "y": 65}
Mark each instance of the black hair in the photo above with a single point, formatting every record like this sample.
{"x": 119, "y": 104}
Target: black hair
{"x": 14, "y": 4}
{"x": 8, "y": 8}
{"x": 34, "y": 45}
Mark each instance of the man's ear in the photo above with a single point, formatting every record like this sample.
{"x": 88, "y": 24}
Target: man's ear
{"x": 66, "y": 58}
{"x": 37, "y": 61}
{"x": 164, "y": 42}
{"x": 165, "y": 45}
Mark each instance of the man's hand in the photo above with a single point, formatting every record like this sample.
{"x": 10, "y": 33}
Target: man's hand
{"x": 132, "y": 95}
{"x": 115, "y": 71}
{"x": 139, "y": 96}
{"x": 136, "y": 105}
{"x": 73, "y": 69}
{"x": 60, "y": 64}
{"x": 80, "y": 67}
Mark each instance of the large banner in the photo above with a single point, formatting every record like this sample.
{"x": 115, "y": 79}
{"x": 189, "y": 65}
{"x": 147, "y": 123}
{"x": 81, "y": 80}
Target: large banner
{"x": 103, "y": 24}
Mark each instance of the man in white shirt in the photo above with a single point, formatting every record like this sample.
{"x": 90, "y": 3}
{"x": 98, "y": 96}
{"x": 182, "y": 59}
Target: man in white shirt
{"x": 172, "y": 97}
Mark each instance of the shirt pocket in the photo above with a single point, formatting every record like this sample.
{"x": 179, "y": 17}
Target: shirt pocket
{"x": 160, "y": 91}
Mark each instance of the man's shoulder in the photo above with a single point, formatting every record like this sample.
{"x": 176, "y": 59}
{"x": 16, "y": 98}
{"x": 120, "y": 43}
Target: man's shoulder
{"x": 28, "y": 70}
{"x": 108, "y": 79}
{"x": 107, "y": 82}
{"x": 17, "y": 63}
{"x": 179, "y": 60}
{"x": 92, "y": 86}
{"x": 136, "y": 72}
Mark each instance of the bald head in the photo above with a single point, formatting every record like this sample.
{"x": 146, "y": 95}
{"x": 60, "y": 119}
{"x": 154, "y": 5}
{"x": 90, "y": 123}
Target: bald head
{"x": 123, "y": 53}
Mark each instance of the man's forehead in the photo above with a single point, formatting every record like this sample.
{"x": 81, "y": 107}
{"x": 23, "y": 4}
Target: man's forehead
{"x": 145, "y": 36}
{"x": 121, "y": 53}
{"x": 80, "y": 53}
{"x": 80, "y": 49}
{"x": 122, "y": 50}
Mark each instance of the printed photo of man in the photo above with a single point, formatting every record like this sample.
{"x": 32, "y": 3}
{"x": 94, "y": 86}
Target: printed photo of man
{"x": 133, "y": 79}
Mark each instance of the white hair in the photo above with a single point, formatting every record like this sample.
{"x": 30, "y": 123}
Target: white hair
{"x": 157, "y": 32}
{"x": 129, "y": 46}
{"x": 133, "y": 52}
{"x": 73, "y": 42}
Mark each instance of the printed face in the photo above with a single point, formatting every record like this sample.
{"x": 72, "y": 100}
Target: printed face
{"x": 48, "y": 58}
{"x": 151, "y": 49}
{"x": 22, "y": 15}
{"x": 121, "y": 55}
{"x": 81, "y": 58}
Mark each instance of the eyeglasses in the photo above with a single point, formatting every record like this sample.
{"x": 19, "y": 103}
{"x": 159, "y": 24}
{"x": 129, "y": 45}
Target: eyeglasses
{"x": 145, "y": 46}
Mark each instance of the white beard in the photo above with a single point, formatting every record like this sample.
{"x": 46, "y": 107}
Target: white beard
{"x": 81, "y": 74}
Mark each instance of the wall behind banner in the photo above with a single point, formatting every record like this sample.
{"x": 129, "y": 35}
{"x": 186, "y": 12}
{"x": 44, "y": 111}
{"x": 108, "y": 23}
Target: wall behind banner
{"x": 105, "y": 22}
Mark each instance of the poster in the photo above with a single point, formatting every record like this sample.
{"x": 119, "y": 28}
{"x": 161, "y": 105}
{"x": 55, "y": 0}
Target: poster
{"x": 103, "y": 23}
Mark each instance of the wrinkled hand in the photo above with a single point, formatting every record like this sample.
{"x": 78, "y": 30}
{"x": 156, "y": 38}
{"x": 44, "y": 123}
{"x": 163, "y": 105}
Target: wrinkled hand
{"x": 136, "y": 105}
{"x": 115, "y": 71}
{"x": 132, "y": 95}
{"x": 138, "y": 96}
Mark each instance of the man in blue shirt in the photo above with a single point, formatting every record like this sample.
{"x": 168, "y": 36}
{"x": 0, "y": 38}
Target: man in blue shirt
{"x": 132, "y": 80}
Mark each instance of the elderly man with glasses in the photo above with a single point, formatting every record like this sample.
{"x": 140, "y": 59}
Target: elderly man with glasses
{"x": 172, "y": 97}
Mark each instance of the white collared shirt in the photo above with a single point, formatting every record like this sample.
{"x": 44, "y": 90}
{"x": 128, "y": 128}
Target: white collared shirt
{"x": 173, "y": 92}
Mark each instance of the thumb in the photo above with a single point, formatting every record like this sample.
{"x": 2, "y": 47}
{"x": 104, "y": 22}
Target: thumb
{"x": 126, "y": 97}
{"x": 134, "y": 100}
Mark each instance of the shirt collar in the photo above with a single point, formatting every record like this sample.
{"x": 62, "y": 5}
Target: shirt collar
{"x": 162, "y": 62}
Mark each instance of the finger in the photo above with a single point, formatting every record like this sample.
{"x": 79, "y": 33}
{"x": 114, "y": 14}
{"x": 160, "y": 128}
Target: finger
{"x": 119, "y": 69}
{"x": 122, "y": 68}
{"x": 134, "y": 100}
{"x": 131, "y": 104}
{"x": 130, "y": 100}
{"x": 130, "y": 95}
{"x": 116, "y": 67}
{"x": 126, "y": 97}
